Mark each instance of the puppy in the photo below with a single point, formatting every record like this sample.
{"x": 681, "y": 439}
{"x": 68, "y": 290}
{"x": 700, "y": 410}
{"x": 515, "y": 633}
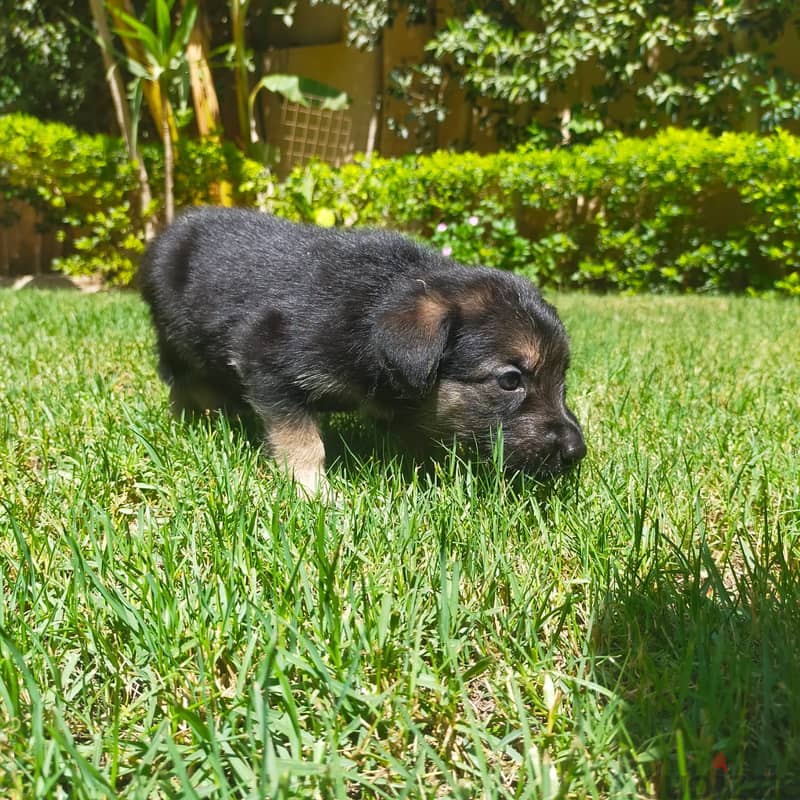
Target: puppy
{"x": 292, "y": 320}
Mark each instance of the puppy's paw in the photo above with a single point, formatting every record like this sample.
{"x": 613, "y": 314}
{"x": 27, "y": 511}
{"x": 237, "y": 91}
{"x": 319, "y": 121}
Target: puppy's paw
{"x": 313, "y": 485}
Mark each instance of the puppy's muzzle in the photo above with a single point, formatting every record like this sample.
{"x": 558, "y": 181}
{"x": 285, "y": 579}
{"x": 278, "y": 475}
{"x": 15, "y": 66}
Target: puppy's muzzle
{"x": 567, "y": 446}
{"x": 556, "y": 448}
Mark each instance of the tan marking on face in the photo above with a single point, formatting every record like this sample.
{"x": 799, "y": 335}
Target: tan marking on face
{"x": 449, "y": 399}
{"x": 455, "y": 408}
{"x": 527, "y": 354}
{"x": 297, "y": 446}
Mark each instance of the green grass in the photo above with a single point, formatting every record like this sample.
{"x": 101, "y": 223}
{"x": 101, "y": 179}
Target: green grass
{"x": 175, "y": 623}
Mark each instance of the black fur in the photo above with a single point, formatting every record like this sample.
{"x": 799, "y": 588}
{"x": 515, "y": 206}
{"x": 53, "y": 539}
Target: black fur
{"x": 291, "y": 320}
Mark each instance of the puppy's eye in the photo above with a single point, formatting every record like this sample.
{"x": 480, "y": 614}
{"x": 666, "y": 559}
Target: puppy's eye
{"x": 510, "y": 380}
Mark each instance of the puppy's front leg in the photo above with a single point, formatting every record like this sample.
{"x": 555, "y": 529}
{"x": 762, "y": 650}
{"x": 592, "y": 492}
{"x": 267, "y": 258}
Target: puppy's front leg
{"x": 294, "y": 442}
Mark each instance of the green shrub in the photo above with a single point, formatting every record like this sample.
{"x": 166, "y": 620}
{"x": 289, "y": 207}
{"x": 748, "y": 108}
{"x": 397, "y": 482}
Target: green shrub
{"x": 84, "y": 187}
{"x": 682, "y": 211}
{"x": 77, "y": 184}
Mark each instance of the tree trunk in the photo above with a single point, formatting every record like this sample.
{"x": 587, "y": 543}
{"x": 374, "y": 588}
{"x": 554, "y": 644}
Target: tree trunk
{"x": 123, "y": 113}
{"x": 204, "y": 96}
{"x": 238, "y": 9}
{"x": 169, "y": 200}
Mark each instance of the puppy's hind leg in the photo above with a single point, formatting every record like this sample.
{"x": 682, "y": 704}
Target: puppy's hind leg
{"x": 191, "y": 396}
{"x": 294, "y": 441}
{"x": 181, "y": 397}
{"x": 177, "y": 375}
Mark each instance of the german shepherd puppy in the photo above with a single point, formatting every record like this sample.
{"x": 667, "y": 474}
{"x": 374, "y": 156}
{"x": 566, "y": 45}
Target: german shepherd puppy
{"x": 292, "y": 320}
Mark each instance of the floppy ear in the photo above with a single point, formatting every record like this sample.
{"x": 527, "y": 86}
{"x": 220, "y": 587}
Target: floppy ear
{"x": 410, "y": 338}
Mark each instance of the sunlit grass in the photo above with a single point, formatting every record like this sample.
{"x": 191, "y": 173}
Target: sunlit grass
{"x": 174, "y": 622}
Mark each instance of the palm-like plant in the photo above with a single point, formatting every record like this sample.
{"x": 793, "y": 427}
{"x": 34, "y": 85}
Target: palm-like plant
{"x": 163, "y": 46}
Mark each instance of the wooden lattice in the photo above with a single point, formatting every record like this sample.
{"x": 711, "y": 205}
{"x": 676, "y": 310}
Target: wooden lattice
{"x": 315, "y": 132}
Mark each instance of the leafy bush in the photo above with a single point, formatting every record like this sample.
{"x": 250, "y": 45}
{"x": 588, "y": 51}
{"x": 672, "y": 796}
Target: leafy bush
{"x": 640, "y": 66}
{"x": 84, "y": 187}
{"x": 682, "y": 211}
{"x": 76, "y": 183}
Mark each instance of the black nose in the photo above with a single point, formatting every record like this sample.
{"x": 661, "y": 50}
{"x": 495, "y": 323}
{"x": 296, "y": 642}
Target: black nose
{"x": 573, "y": 448}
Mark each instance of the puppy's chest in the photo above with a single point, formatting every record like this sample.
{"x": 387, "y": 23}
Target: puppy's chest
{"x": 327, "y": 392}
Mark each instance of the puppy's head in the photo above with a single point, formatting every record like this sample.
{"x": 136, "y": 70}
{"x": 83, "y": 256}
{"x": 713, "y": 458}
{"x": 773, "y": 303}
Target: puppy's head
{"x": 482, "y": 351}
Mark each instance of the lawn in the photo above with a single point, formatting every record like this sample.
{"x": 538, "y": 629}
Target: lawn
{"x": 174, "y": 622}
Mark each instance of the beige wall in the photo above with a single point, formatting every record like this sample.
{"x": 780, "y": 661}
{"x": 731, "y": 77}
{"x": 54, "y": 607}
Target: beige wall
{"x": 342, "y": 134}
{"x": 315, "y": 47}
{"x": 402, "y": 44}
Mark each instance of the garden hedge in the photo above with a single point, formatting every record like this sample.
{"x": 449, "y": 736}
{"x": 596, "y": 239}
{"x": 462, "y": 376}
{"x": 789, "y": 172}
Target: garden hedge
{"x": 682, "y": 211}
{"x": 84, "y": 187}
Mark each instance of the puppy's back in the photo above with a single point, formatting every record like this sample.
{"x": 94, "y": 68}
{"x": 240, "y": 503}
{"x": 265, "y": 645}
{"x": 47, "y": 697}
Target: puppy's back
{"x": 214, "y": 246}
{"x": 214, "y": 258}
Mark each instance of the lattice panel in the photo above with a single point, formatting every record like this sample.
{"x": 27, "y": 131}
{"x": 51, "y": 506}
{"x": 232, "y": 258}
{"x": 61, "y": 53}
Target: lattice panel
{"x": 313, "y": 132}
